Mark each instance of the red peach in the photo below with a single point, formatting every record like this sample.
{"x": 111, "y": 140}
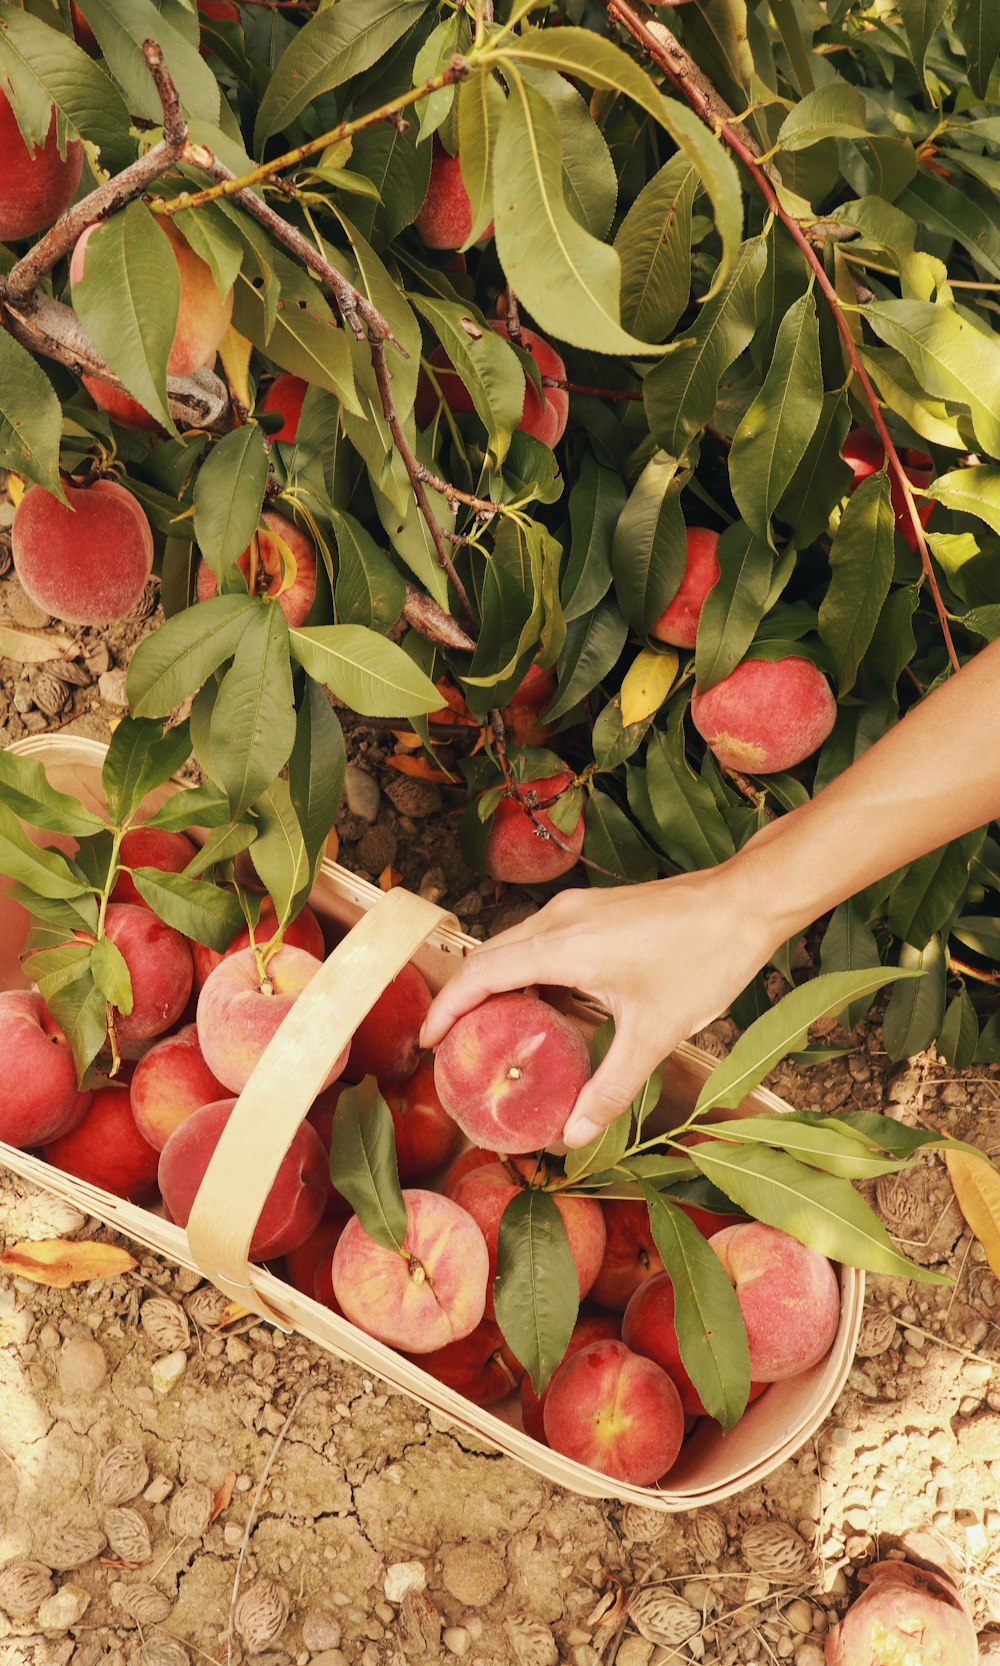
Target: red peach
{"x": 766, "y": 715}
{"x": 35, "y": 185}
{"x": 431, "y": 1292}
{"x": 296, "y": 601}
{"x": 543, "y": 415}
{"x": 615, "y": 1411}
{"x": 476, "y": 1157}
{"x": 593, "y": 1327}
{"x": 82, "y": 31}
{"x": 517, "y": 850}
{"x": 445, "y": 217}
{"x": 510, "y": 1071}
{"x": 305, "y": 1264}
{"x": 865, "y": 454}
{"x": 678, "y": 623}
{"x": 631, "y": 1255}
{"x": 304, "y": 932}
{"x": 120, "y": 406}
{"x": 321, "y": 1115}
{"x": 649, "y": 1328}
{"x": 536, "y": 688}
{"x": 789, "y": 1297}
{"x": 294, "y": 1204}
{"x": 107, "y": 1149}
{"x": 86, "y": 563}
{"x": 286, "y": 394}
{"x": 386, "y": 1043}
{"x": 237, "y": 1017}
{"x": 486, "y": 1192}
{"x": 160, "y": 967}
{"x": 908, "y": 1616}
{"x": 170, "y": 1082}
{"x": 151, "y": 847}
{"x": 40, "y": 1099}
{"x": 480, "y": 1366}
{"x": 426, "y": 1136}
{"x": 223, "y": 11}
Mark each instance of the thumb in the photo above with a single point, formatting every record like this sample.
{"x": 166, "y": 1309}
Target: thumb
{"x": 610, "y": 1090}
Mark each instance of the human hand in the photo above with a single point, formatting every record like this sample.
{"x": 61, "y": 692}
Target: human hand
{"x": 664, "y": 958}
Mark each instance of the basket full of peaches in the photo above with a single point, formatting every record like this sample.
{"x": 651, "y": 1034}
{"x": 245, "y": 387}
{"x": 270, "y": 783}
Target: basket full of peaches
{"x": 663, "y": 1315}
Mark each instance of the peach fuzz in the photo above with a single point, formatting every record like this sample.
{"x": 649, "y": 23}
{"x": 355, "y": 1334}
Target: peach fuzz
{"x": 510, "y": 1071}
{"x": 35, "y": 186}
{"x": 678, "y": 623}
{"x": 615, "y": 1411}
{"x": 106, "y": 1148}
{"x": 766, "y": 715}
{"x": 150, "y": 847}
{"x": 304, "y": 932}
{"x": 40, "y": 1099}
{"x": 293, "y": 1206}
{"x": 517, "y": 851}
{"x": 486, "y": 1192}
{"x": 480, "y": 1365}
{"x": 865, "y": 455}
{"x": 445, "y": 217}
{"x": 386, "y": 1043}
{"x": 286, "y": 394}
{"x": 426, "y": 1136}
{"x": 169, "y": 1082}
{"x": 543, "y": 415}
{"x": 593, "y": 1327}
{"x": 475, "y": 1157}
{"x": 161, "y": 970}
{"x": 296, "y": 601}
{"x": 431, "y": 1292}
{"x": 789, "y": 1297}
{"x": 631, "y": 1255}
{"x": 85, "y": 561}
{"x": 237, "y": 1016}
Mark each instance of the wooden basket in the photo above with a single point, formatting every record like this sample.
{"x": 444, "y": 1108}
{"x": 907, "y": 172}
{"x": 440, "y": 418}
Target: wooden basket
{"x": 387, "y": 930}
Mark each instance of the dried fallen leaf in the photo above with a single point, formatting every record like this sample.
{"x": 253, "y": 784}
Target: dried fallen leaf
{"x": 407, "y": 740}
{"x": 977, "y": 1188}
{"x": 223, "y": 1497}
{"x": 648, "y": 681}
{"x": 332, "y": 847}
{"x": 421, "y": 768}
{"x": 235, "y": 351}
{"x": 30, "y": 648}
{"x": 389, "y": 878}
{"x": 60, "y": 1262}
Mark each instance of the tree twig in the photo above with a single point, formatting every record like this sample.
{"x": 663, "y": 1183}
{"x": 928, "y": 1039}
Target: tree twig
{"x": 595, "y": 393}
{"x": 423, "y": 613}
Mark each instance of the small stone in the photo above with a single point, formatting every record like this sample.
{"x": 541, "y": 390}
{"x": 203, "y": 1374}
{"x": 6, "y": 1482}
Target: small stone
{"x": 473, "y": 1573}
{"x": 456, "y": 1640}
{"x": 167, "y": 1372}
{"x": 232, "y": 1534}
{"x": 59, "y": 1612}
{"x": 635, "y": 1651}
{"x": 48, "y": 1336}
{"x": 82, "y": 1366}
{"x": 433, "y": 885}
{"x": 111, "y": 686}
{"x": 320, "y": 1631}
{"x": 809, "y": 1654}
{"x": 403, "y": 1577}
{"x": 362, "y": 793}
{"x": 469, "y": 906}
{"x": 160, "y": 1487}
{"x": 799, "y": 1616}
{"x": 330, "y": 1657}
{"x": 23, "y": 610}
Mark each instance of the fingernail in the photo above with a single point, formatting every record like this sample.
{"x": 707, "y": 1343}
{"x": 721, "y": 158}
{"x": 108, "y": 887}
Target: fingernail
{"x": 580, "y": 1131}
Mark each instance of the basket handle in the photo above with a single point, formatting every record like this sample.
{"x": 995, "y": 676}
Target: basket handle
{"x": 286, "y": 1080}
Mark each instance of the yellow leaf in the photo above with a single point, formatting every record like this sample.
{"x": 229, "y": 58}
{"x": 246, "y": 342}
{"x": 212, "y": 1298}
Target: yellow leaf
{"x": 977, "y": 1188}
{"x": 236, "y": 350}
{"x": 29, "y": 648}
{"x": 648, "y": 681}
{"x": 16, "y": 488}
{"x": 60, "y": 1262}
{"x": 332, "y": 850}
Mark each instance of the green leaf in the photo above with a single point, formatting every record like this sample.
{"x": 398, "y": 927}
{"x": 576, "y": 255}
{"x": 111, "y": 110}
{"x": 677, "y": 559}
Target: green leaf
{"x": 30, "y": 418}
{"x": 949, "y": 357}
{"x": 690, "y": 825}
{"x": 177, "y": 659}
{"x": 363, "y": 1164}
{"x": 140, "y": 757}
{"x": 81, "y": 1012}
{"x": 822, "y": 477}
{"x": 654, "y": 246}
{"x": 590, "y": 183}
{"x": 786, "y": 1026}
{"x": 333, "y": 47}
{"x": 25, "y": 790}
{"x": 64, "y": 917}
{"x": 372, "y": 676}
{"x": 931, "y": 890}
{"x": 967, "y": 217}
{"x": 611, "y": 839}
{"x": 279, "y": 852}
{"x": 710, "y": 1330}
{"x": 822, "y": 1146}
{"x": 849, "y": 946}
{"x": 977, "y": 25}
{"x": 916, "y": 1010}
{"x": 486, "y": 364}
{"x": 593, "y": 644}
{"x": 734, "y": 606}
{"x": 205, "y": 806}
{"x": 253, "y": 719}
{"x": 836, "y": 111}
{"x": 399, "y": 170}
{"x": 971, "y": 491}
{"x": 920, "y": 20}
{"x": 316, "y": 769}
{"x": 481, "y": 104}
{"x": 304, "y": 337}
{"x": 229, "y": 496}
{"x": 649, "y": 547}
{"x": 822, "y": 1211}
{"x": 596, "y": 500}
{"x": 44, "y": 871}
{"x": 862, "y": 559}
{"x": 111, "y": 974}
{"x": 192, "y": 906}
{"x": 771, "y": 440}
{"x": 43, "y": 69}
{"x": 121, "y": 26}
{"x": 127, "y": 301}
{"x": 221, "y": 844}
{"x": 979, "y": 932}
{"x": 890, "y": 1135}
{"x": 959, "y": 1037}
{"x": 536, "y": 1286}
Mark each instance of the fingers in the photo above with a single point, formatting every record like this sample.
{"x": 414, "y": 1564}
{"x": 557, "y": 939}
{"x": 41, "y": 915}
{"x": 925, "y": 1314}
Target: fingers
{"x": 613, "y": 1086}
{"x": 524, "y": 954}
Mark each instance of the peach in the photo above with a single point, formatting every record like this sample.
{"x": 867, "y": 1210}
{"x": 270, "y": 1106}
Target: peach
{"x": 170, "y": 1082}
{"x": 615, "y": 1411}
{"x": 865, "y": 454}
{"x": 908, "y": 1616}
{"x": 308, "y": 1261}
{"x": 83, "y": 33}
{"x": 120, "y": 406}
{"x": 429, "y": 1293}
{"x": 678, "y": 623}
{"x": 40, "y": 1099}
{"x": 517, "y": 849}
{"x": 35, "y": 185}
{"x": 106, "y": 1148}
{"x": 480, "y": 1365}
{"x": 649, "y": 1328}
{"x": 766, "y": 715}
{"x": 445, "y": 217}
{"x": 426, "y": 1136}
{"x": 543, "y": 415}
{"x": 386, "y": 1043}
{"x": 321, "y": 1115}
{"x": 286, "y": 394}
{"x": 238, "y": 1015}
{"x": 631, "y": 1255}
{"x": 151, "y": 847}
{"x": 296, "y": 601}
{"x": 789, "y": 1297}
{"x": 293, "y": 1206}
{"x": 536, "y": 689}
{"x": 593, "y": 1327}
{"x": 509, "y": 1072}
{"x": 474, "y": 1158}
{"x": 85, "y": 561}
{"x": 159, "y": 965}
{"x": 304, "y": 932}
{"x": 486, "y": 1192}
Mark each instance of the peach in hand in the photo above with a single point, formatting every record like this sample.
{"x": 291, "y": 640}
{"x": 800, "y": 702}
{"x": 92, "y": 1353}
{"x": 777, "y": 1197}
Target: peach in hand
{"x": 426, "y": 1136}
{"x": 86, "y": 563}
{"x": 238, "y": 1013}
{"x": 169, "y": 1082}
{"x": 510, "y": 1071}
{"x": 518, "y": 849}
{"x": 631, "y": 1255}
{"x": 161, "y": 970}
{"x": 386, "y": 1043}
{"x": 766, "y": 715}
{"x": 35, "y": 185}
{"x": 294, "y": 1205}
{"x": 615, "y": 1411}
{"x": 107, "y": 1149}
{"x": 150, "y": 847}
{"x": 40, "y": 1099}
{"x": 294, "y": 602}
{"x": 591, "y": 1327}
{"x": 431, "y": 1292}
{"x": 789, "y": 1297}
{"x": 678, "y": 623}
{"x": 486, "y": 1192}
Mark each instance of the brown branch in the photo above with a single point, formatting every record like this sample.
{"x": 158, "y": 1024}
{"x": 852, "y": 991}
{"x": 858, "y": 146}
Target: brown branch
{"x": 424, "y": 614}
{"x": 596, "y": 393}
{"x": 666, "y": 51}
{"x": 482, "y": 505}
{"x": 532, "y": 808}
